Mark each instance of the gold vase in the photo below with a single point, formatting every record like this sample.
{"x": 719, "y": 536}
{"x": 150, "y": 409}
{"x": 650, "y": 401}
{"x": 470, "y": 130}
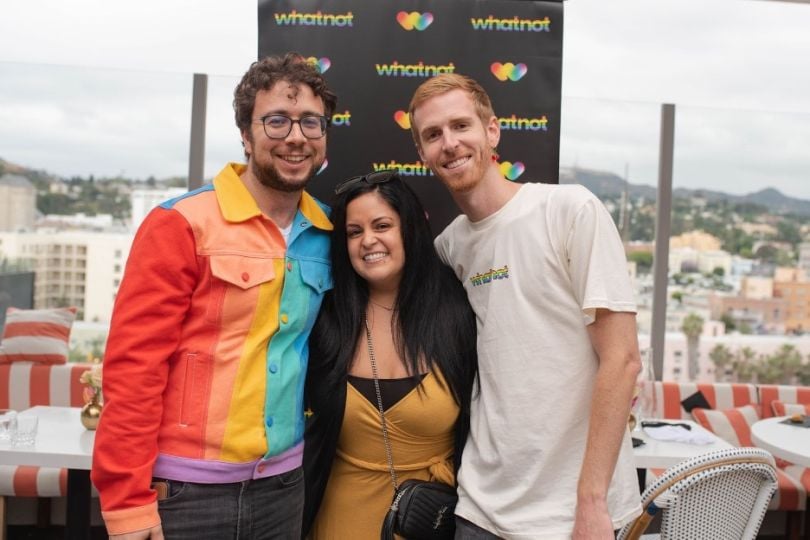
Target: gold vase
{"x": 91, "y": 412}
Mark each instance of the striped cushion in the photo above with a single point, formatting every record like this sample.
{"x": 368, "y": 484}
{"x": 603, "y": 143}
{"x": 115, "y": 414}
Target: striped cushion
{"x": 789, "y": 409}
{"x": 24, "y": 385}
{"x": 25, "y": 481}
{"x": 731, "y": 425}
{"x": 668, "y": 397}
{"x": 791, "y": 494}
{"x": 769, "y": 393}
{"x": 802, "y": 474}
{"x": 36, "y": 335}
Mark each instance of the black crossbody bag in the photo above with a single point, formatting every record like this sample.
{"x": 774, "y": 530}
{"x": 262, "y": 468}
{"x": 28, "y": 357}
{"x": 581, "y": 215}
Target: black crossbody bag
{"x": 420, "y": 510}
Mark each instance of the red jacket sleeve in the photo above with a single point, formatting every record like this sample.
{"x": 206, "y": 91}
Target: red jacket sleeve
{"x": 155, "y": 294}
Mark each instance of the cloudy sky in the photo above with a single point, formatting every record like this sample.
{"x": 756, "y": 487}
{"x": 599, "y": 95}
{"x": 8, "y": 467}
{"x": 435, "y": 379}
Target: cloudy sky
{"x": 104, "y": 88}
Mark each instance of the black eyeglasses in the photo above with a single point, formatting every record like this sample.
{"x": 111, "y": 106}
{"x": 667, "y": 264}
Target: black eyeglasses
{"x": 379, "y": 177}
{"x": 279, "y": 126}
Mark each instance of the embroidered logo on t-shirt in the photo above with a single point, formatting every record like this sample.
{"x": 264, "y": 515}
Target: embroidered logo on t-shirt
{"x": 486, "y": 277}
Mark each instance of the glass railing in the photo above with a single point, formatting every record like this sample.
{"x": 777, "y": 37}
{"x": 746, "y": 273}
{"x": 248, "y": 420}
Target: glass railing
{"x": 75, "y": 144}
{"x": 738, "y": 289}
{"x": 95, "y": 142}
{"x": 739, "y": 301}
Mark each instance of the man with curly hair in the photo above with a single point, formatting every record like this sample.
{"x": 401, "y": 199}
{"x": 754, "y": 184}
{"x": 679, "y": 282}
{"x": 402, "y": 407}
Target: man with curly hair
{"x": 202, "y": 430}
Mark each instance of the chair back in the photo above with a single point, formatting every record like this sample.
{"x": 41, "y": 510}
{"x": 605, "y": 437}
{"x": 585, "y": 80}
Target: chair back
{"x": 721, "y": 495}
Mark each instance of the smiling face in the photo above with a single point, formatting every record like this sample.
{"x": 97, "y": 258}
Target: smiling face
{"x": 284, "y": 164}
{"x": 374, "y": 241}
{"x": 453, "y": 141}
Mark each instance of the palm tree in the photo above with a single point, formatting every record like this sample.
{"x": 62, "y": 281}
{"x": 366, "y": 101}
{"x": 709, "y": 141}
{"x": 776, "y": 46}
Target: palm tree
{"x": 692, "y": 327}
{"x": 722, "y": 358}
{"x": 784, "y": 365}
{"x": 745, "y": 368}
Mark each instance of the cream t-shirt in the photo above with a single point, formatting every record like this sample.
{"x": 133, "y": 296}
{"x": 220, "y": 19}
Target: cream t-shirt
{"x": 535, "y": 272}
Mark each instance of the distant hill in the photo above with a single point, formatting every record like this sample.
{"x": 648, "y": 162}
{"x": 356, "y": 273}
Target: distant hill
{"x": 603, "y": 183}
{"x": 37, "y": 177}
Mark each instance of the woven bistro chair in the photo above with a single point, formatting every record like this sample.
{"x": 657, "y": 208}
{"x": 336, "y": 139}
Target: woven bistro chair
{"x": 720, "y": 495}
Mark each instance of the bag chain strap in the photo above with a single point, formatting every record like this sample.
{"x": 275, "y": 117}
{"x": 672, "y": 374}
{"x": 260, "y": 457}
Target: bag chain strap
{"x": 387, "y": 442}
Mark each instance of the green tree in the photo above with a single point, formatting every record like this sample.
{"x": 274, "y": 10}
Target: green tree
{"x": 745, "y": 367}
{"x": 677, "y": 296}
{"x": 643, "y": 260}
{"x": 767, "y": 253}
{"x": 788, "y": 231}
{"x": 804, "y": 373}
{"x": 728, "y": 322}
{"x": 692, "y": 327}
{"x": 722, "y": 357}
{"x": 783, "y": 366}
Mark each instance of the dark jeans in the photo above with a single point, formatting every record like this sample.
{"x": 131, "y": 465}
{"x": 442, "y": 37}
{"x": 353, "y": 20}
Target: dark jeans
{"x": 268, "y": 508}
{"x": 466, "y": 530}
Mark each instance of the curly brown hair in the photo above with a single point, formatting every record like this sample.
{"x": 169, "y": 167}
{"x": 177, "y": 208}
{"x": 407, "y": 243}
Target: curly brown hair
{"x": 264, "y": 73}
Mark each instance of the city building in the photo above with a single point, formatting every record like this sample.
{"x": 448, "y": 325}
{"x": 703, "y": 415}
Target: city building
{"x": 18, "y": 203}
{"x": 792, "y": 285}
{"x": 682, "y": 259}
{"x": 804, "y": 256}
{"x": 73, "y": 268}
{"x": 708, "y": 261}
{"x": 76, "y": 221}
{"x": 697, "y": 240}
{"x": 144, "y": 200}
{"x": 756, "y": 287}
{"x": 759, "y": 314}
{"x": 759, "y": 230}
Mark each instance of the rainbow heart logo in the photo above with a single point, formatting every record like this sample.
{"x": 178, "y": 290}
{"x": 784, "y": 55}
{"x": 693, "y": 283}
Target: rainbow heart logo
{"x": 324, "y": 165}
{"x": 414, "y": 20}
{"x": 321, "y": 64}
{"x": 512, "y": 171}
{"x": 508, "y": 71}
{"x": 403, "y": 119}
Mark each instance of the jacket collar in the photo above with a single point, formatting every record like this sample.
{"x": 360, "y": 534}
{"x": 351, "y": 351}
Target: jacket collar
{"x": 237, "y": 204}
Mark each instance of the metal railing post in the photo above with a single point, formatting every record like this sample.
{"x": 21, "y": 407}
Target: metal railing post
{"x": 196, "y": 153}
{"x": 663, "y": 227}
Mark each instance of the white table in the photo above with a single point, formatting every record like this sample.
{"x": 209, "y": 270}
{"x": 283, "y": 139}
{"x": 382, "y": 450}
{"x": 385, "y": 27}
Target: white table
{"x": 63, "y": 442}
{"x": 655, "y": 454}
{"x": 791, "y": 443}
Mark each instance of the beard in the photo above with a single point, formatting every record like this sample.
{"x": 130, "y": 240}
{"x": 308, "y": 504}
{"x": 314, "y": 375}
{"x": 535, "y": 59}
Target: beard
{"x": 466, "y": 182}
{"x": 268, "y": 176}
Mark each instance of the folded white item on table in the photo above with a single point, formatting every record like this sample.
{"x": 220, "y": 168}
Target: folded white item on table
{"x": 678, "y": 434}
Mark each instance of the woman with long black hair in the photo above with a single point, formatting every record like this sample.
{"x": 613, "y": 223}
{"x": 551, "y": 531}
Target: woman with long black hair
{"x": 396, "y": 332}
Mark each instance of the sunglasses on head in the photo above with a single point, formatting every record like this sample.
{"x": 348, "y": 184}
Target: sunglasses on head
{"x": 379, "y": 177}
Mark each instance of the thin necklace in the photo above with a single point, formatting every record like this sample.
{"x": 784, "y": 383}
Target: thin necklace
{"x": 380, "y": 305}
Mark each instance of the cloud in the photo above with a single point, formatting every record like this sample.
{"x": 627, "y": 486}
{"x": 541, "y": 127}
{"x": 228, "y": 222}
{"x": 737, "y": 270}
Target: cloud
{"x": 118, "y": 99}
{"x": 733, "y": 70}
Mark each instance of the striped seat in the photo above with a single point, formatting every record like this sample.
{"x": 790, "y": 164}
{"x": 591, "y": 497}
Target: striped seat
{"x": 668, "y": 397}
{"x": 24, "y": 385}
{"x": 734, "y": 426}
{"x": 768, "y": 393}
{"x": 793, "y": 481}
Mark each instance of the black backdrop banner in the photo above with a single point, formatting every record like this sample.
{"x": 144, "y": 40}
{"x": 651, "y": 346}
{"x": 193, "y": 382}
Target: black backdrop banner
{"x": 375, "y": 53}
